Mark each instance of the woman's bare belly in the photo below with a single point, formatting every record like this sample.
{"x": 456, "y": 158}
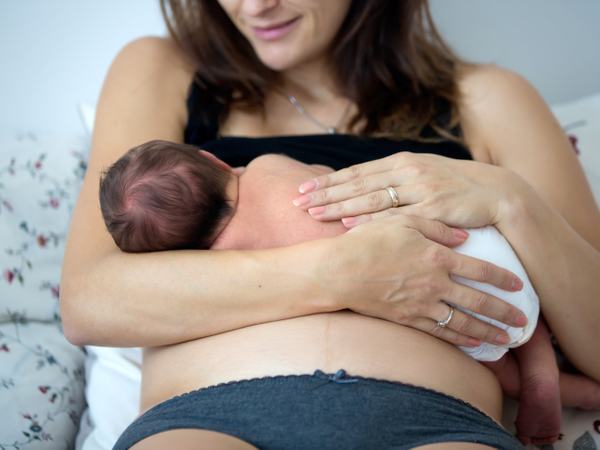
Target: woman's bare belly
{"x": 361, "y": 345}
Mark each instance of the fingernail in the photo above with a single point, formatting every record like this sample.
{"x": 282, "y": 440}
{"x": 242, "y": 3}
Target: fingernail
{"x": 349, "y": 221}
{"x": 472, "y": 342}
{"x": 307, "y": 186}
{"x": 520, "y": 320}
{"x": 317, "y": 210}
{"x": 501, "y": 339}
{"x": 460, "y": 234}
{"x": 302, "y": 200}
{"x": 517, "y": 284}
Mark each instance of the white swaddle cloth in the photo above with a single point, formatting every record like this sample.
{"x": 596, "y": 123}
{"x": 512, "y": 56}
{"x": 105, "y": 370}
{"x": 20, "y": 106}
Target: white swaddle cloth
{"x": 489, "y": 245}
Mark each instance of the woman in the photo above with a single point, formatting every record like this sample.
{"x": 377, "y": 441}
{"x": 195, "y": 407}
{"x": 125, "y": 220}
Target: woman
{"x": 280, "y": 314}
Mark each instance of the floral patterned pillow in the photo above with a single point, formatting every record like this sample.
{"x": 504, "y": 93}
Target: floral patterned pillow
{"x": 41, "y": 386}
{"x": 41, "y": 374}
{"x": 39, "y": 180}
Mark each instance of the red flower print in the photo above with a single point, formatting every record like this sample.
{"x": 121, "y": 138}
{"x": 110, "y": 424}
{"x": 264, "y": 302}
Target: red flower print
{"x": 8, "y": 276}
{"x": 54, "y": 202}
{"x": 38, "y": 165}
{"x": 41, "y": 240}
{"x": 43, "y": 389}
{"x": 4, "y": 348}
{"x": 55, "y": 290}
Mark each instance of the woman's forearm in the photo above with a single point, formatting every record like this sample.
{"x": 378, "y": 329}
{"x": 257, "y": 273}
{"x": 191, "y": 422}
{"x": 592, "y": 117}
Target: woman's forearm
{"x": 177, "y": 296}
{"x": 565, "y": 270}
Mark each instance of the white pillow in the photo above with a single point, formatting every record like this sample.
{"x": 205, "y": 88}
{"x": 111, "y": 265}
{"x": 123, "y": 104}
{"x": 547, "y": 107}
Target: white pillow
{"x": 113, "y": 379}
{"x": 87, "y": 114}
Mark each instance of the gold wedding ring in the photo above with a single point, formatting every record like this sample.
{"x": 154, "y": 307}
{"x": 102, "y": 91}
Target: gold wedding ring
{"x": 394, "y": 196}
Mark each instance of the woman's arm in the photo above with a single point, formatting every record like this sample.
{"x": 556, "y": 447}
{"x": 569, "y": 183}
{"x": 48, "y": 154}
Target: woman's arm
{"x": 553, "y": 222}
{"x": 114, "y": 298}
{"x": 565, "y": 269}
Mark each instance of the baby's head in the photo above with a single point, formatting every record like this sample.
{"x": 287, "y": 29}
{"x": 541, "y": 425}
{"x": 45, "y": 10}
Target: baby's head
{"x": 165, "y": 196}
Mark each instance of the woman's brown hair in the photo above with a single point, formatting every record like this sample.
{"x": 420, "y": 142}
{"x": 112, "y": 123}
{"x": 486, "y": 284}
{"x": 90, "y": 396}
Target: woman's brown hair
{"x": 388, "y": 58}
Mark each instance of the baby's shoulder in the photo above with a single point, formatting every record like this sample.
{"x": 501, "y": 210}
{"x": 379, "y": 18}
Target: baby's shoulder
{"x": 283, "y": 166}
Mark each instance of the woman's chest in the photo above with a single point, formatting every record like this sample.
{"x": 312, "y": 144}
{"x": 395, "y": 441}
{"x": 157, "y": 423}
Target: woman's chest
{"x": 256, "y": 124}
{"x": 280, "y": 117}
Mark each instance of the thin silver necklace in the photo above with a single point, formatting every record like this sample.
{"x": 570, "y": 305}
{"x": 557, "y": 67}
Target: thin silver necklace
{"x": 330, "y": 130}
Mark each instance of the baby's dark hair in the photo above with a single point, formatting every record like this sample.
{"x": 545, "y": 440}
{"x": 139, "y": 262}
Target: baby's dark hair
{"x": 162, "y": 195}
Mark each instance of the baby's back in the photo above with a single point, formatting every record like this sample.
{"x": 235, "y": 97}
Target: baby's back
{"x": 265, "y": 216}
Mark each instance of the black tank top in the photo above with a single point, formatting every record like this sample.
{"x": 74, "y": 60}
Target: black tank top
{"x": 334, "y": 150}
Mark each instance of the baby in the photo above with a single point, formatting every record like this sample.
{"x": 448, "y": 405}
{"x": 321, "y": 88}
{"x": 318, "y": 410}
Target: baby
{"x": 163, "y": 196}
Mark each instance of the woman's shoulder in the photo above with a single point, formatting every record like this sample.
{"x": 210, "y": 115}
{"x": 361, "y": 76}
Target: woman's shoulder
{"x": 491, "y": 97}
{"x": 147, "y": 85}
{"x": 473, "y": 78}
{"x": 154, "y": 46}
{"x": 154, "y": 55}
{"x": 507, "y": 123}
{"x": 493, "y": 90}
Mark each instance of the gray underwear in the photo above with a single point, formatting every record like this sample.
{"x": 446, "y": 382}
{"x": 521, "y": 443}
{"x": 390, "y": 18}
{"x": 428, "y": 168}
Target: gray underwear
{"x": 323, "y": 412}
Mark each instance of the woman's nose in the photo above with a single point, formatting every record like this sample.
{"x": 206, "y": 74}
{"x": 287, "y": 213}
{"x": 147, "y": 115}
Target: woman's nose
{"x": 258, "y": 7}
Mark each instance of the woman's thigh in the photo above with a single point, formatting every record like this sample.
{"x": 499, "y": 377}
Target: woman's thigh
{"x": 188, "y": 439}
{"x": 191, "y": 439}
{"x": 454, "y": 446}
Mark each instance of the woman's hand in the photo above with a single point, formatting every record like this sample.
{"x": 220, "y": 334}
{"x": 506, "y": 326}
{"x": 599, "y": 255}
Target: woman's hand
{"x": 457, "y": 192}
{"x": 393, "y": 269}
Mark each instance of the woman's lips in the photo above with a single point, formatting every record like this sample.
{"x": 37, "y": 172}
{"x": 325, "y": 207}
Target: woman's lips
{"x": 275, "y": 32}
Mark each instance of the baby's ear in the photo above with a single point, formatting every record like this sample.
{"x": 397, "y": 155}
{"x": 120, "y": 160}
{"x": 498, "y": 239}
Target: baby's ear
{"x": 216, "y": 160}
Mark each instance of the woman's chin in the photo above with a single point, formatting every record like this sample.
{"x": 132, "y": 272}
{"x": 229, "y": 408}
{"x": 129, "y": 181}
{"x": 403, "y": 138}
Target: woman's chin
{"x": 277, "y": 63}
{"x": 278, "y": 57}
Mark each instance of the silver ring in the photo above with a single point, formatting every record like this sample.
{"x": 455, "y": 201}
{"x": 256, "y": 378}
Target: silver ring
{"x": 393, "y": 195}
{"x": 444, "y": 323}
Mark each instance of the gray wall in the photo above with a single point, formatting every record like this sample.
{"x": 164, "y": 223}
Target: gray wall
{"x": 555, "y": 44}
{"x": 55, "y": 53}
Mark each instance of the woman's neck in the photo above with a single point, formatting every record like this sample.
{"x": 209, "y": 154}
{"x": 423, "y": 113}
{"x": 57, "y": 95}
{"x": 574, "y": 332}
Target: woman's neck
{"x": 312, "y": 82}
{"x": 315, "y": 89}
